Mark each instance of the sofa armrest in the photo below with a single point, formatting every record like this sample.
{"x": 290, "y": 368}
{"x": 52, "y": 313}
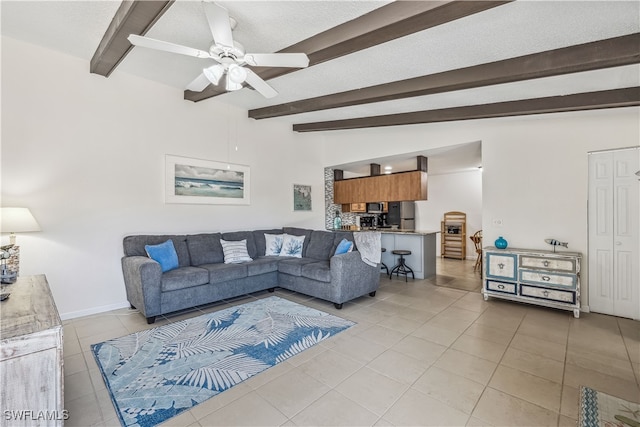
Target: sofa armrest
{"x": 142, "y": 280}
{"x": 352, "y": 277}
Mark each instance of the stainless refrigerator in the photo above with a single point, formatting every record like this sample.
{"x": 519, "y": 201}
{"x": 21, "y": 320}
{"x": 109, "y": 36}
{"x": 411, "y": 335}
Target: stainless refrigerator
{"x": 402, "y": 214}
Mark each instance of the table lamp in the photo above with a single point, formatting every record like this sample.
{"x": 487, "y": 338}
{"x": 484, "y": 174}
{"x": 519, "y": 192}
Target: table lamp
{"x": 14, "y": 220}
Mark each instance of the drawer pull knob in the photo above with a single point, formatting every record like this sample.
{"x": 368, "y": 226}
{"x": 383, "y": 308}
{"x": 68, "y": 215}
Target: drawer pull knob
{"x": 501, "y": 265}
{"x": 545, "y": 293}
{"x": 546, "y": 263}
{"x": 546, "y": 278}
{"x": 500, "y": 286}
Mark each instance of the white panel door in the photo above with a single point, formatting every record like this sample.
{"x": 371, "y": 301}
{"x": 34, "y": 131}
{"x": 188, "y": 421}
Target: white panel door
{"x": 614, "y": 233}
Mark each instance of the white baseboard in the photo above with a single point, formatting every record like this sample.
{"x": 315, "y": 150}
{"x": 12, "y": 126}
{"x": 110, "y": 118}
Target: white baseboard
{"x": 94, "y": 310}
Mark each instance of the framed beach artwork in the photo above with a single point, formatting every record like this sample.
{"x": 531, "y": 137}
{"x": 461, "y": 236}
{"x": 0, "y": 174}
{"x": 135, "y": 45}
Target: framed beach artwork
{"x": 200, "y": 181}
{"x": 301, "y": 197}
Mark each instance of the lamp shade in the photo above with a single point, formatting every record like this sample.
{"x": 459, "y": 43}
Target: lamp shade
{"x": 17, "y": 220}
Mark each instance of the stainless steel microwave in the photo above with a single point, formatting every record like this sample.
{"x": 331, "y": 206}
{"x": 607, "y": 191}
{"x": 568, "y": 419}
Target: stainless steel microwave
{"x": 374, "y": 207}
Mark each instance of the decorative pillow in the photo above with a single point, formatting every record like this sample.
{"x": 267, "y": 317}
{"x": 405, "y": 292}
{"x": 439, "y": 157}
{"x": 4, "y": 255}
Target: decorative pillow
{"x": 344, "y": 246}
{"x": 164, "y": 253}
{"x": 273, "y": 244}
{"x": 292, "y": 246}
{"x": 235, "y": 252}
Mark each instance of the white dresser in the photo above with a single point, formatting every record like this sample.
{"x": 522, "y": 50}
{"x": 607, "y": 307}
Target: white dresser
{"x": 31, "y": 374}
{"x": 533, "y": 276}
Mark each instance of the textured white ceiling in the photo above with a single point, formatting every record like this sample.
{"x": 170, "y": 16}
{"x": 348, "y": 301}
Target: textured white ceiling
{"x": 515, "y": 29}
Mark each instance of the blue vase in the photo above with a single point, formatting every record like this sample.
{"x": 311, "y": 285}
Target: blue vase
{"x": 501, "y": 243}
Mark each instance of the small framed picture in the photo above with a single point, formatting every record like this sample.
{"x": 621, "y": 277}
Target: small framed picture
{"x": 301, "y": 197}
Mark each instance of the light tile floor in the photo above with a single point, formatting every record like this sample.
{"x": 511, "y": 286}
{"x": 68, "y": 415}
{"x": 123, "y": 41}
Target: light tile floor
{"x": 420, "y": 354}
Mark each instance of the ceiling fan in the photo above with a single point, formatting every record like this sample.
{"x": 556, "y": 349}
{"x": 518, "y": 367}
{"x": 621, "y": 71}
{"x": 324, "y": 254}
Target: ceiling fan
{"x": 229, "y": 55}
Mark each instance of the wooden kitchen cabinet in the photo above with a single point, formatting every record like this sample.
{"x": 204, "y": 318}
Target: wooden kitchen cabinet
{"x": 354, "y": 207}
{"x": 396, "y": 187}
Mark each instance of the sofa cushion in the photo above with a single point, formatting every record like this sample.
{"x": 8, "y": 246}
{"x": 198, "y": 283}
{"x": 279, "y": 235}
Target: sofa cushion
{"x": 273, "y": 244}
{"x": 219, "y": 273}
{"x": 293, "y": 266}
{"x": 258, "y": 238}
{"x": 184, "y": 277}
{"x": 164, "y": 254}
{"x": 243, "y": 235}
{"x": 134, "y": 246}
{"x": 319, "y": 270}
{"x": 320, "y": 245}
{"x": 235, "y": 252}
{"x": 295, "y": 231}
{"x": 337, "y": 238}
{"x": 343, "y": 247}
{"x": 262, "y": 265}
{"x": 292, "y": 245}
{"x": 205, "y": 248}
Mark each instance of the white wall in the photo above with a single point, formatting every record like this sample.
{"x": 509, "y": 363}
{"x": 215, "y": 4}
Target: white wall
{"x": 534, "y": 168}
{"x": 460, "y": 191}
{"x": 86, "y": 155}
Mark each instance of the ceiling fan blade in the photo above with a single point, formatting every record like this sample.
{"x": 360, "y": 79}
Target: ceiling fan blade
{"x": 199, "y": 83}
{"x": 260, "y": 85}
{"x": 219, "y": 23}
{"x": 293, "y": 60}
{"x": 166, "y": 46}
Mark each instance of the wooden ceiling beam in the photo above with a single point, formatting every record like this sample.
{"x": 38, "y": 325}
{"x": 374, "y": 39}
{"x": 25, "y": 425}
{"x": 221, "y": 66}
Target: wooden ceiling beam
{"x": 132, "y": 17}
{"x": 614, "y": 98}
{"x": 613, "y": 52}
{"x": 389, "y": 22}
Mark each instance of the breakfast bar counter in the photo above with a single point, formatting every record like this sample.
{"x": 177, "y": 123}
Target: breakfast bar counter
{"x": 422, "y": 245}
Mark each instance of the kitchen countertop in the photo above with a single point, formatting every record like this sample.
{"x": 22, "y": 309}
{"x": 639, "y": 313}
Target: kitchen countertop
{"x": 398, "y": 231}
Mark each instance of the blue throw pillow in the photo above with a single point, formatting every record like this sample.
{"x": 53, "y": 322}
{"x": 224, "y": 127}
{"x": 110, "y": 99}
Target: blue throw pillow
{"x": 164, "y": 253}
{"x": 343, "y": 247}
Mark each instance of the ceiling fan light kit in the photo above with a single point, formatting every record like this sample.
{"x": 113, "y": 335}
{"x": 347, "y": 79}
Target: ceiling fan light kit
{"x": 213, "y": 73}
{"x": 229, "y": 55}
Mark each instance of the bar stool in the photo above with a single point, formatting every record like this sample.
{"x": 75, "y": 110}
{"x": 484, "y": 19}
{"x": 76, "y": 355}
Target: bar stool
{"x": 401, "y": 267}
{"x": 383, "y": 264}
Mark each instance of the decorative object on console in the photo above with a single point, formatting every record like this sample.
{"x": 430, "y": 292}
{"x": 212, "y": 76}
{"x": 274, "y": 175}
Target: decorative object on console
{"x": 7, "y": 275}
{"x": 205, "y": 182}
{"x": 555, "y": 243}
{"x": 301, "y": 197}
{"x": 14, "y": 220}
{"x": 501, "y": 243}
{"x": 156, "y": 374}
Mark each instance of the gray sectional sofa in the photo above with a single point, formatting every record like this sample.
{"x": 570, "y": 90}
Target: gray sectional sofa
{"x": 202, "y": 277}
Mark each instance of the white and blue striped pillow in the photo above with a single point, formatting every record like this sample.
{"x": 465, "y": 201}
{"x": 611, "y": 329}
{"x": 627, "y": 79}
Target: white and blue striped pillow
{"x": 235, "y": 252}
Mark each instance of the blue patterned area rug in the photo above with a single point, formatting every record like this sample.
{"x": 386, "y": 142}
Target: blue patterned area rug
{"x": 158, "y": 373}
{"x": 598, "y": 409}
